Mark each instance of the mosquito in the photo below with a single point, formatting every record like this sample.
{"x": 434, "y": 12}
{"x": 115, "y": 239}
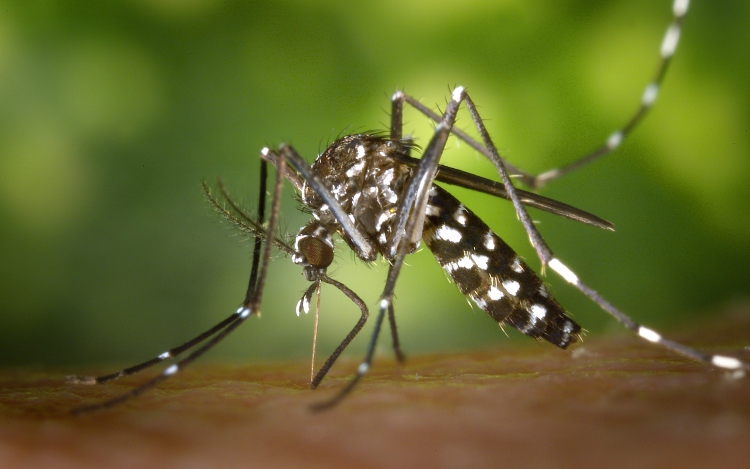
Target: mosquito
{"x": 382, "y": 202}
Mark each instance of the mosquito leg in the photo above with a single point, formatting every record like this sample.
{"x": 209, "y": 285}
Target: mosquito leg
{"x": 261, "y": 215}
{"x": 365, "y": 247}
{"x": 418, "y": 192}
{"x": 355, "y": 330}
{"x": 413, "y": 201}
{"x": 397, "y": 115}
{"x": 540, "y": 246}
{"x": 414, "y": 198}
{"x": 394, "y": 335}
{"x": 250, "y": 306}
{"x": 548, "y": 258}
{"x": 719, "y": 361}
{"x": 463, "y": 136}
{"x": 650, "y": 93}
{"x": 171, "y": 353}
{"x": 304, "y": 303}
{"x": 364, "y": 367}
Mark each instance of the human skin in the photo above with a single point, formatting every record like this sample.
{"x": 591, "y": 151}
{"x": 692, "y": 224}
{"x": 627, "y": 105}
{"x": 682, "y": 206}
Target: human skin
{"x": 613, "y": 401}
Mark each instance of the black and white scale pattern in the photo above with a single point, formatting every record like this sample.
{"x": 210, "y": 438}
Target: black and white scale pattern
{"x": 366, "y": 180}
{"x": 374, "y": 209}
{"x": 489, "y": 272}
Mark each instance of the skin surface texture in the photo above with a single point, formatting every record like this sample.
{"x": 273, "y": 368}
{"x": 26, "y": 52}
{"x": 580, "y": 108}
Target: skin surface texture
{"x": 612, "y": 401}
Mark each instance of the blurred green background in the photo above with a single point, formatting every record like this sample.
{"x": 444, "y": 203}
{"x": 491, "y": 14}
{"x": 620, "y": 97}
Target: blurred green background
{"x": 112, "y": 113}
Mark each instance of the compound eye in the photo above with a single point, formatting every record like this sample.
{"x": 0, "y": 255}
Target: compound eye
{"x": 318, "y": 253}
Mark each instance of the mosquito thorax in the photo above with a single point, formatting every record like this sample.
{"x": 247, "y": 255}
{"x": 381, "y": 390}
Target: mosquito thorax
{"x": 363, "y": 176}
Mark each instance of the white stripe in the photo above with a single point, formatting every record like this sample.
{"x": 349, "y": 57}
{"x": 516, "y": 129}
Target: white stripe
{"x": 457, "y": 93}
{"x": 480, "y": 261}
{"x": 387, "y": 177}
{"x": 465, "y": 262}
{"x": 357, "y": 168}
{"x": 529, "y": 326}
{"x": 564, "y": 271}
{"x": 680, "y": 7}
{"x": 650, "y": 94}
{"x": 648, "y": 334}
{"x": 726, "y": 362}
{"x": 494, "y": 293}
{"x": 511, "y": 286}
{"x": 171, "y": 370}
{"x": 538, "y": 311}
{"x": 489, "y": 241}
{"x": 614, "y": 140}
{"x": 339, "y": 190}
{"x": 448, "y": 234}
{"x": 382, "y": 219}
{"x": 460, "y": 216}
{"x": 669, "y": 44}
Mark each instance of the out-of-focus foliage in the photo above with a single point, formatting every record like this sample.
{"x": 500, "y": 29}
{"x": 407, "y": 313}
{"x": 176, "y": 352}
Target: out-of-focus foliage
{"x": 111, "y": 113}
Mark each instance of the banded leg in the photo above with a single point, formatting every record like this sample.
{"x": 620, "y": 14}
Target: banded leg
{"x": 250, "y": 306}
{"x": 247, "y": 224}
{"x": 365, "y": 250}
{"x": 176, "y": 351}
{"x": 171, "y": 353}
{"x": 362, "y": 370}
{"x": 547, "y": 258}
{"x": 409, "y": 223}
{"x": 650, "y": 93}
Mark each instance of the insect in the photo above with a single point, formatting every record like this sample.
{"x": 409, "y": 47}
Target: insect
{"x": 369, "y": 190}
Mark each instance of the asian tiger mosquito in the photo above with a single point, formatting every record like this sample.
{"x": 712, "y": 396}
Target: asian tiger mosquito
{"x": 368, "y": 189}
